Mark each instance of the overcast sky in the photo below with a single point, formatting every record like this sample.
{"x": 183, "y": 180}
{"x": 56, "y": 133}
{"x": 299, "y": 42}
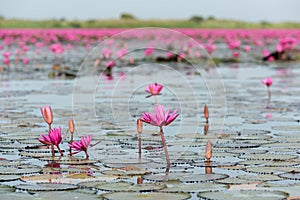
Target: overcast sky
{"x": 250, "y": 10}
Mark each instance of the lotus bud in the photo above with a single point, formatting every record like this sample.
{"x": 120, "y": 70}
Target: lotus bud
{"x": 139, "y": 180}
{"x": 71, "y": 125}
{"x": 47, "y": 114}
{"x": 208, "y": 151}
{"x": 139, "y": 124}
{"x": 206, "y": 114}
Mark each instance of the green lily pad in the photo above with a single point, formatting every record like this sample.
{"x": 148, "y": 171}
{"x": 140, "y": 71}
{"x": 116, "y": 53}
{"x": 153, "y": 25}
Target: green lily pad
{"x": 45, "y": 187}
{"x": 129, "y": 187}
{"x": 69, "y": 160}
{"x": 195, "y": 187}
{"x": 19, "y": 171}
{"x": 145, "y": 196}
{"x": 244, "y": 194}
{"x": 65, "y": 178}
{"x": 4, "y": 178}
{"x": 274, "y": 157}
{"x": 197, "y": 178}
{"x": 62, "y": 195}
{"x": 233, "y": 181}
{"x": 270, "y": 170}
{"x": 261, "y": 177}
{"x": 128, "y": 172}
{"x": 291, "y": 175}
{"x": 164, "y": 177}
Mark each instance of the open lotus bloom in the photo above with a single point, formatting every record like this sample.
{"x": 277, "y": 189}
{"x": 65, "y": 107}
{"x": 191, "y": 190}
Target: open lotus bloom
{"x": 81, "y": 145}
{"x": 154, "y": 88}
{"x": 160, "y": 117}
{"x": 268, "y": 81}
{"x": 47, "y": 114}
{"x": 53, "y": 138}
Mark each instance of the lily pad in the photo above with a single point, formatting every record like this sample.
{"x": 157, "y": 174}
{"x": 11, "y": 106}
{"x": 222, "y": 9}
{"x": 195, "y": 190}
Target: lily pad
{"x": 69, "y": 160}
{"x": 291, "y": 175}
{"x": 274, "y": 157}
{"x": 261, "y": 177}
{"x": 233, "y": 181}
{"x": 145, "y": 196}
{"x": 270, "y": 170}
{"x": 19, "y": 171}
{"x": 65, "y": 178}
{"x": 244, "y": 194}
{"x": 129, "y": 187}
{"x": 8, "y": 178}
{"x": 130, "y": 172}
{"x": 45, "y": 187}
{"x": 195, "y": 187}
{"x": 62, "y": 195}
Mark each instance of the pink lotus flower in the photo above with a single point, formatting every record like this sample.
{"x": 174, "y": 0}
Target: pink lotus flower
{"x": 25, "y": 61}
{"x": 6, "y": 61}
{"x": 81, "y": 145}
{"x": 154, "y": 89}
{"x": 47, "y": 115}
{"x": 53, "y": 138}
{"x": 169, "y": 54}
{"x": 236, "y": 54}
{"x": 247, "y": 48}
{"x": 6, "y": 54}
{"x": 111, "y": 64}
{"x": 268, "y": 81}
{"x": 160, "y": 118}
{"x": 148, "y": 51}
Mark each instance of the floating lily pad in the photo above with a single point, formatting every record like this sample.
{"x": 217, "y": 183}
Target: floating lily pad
{"x": 8, "y": 178}
{"x": 5, "y": 189}
{"x": 270, "y": 170}
{"x": 213, "y": 164}
{"x": 197, "y": 178}
{"x": 244, "y": 194}
{"x": 246, "y": 151}
{"x": 145, "y": 196}
{"x": 129, "y": 187}
{"x": 19, "y": 171}
{"x": 291, "y": 175}
{"x": 65, "y": 178}
{"x": 261, "y": 177}
{"x": 274, "y": 157}
{"x": 195, "y": 187}
{"x": 233, "y": 181}
{"x": 61, "y": 195}
{"x": 45, "y": 187}
{"x": 69, "y": 160}
{"x": 236, "y": 145}
{"x": 126, "y": 172}
{"x": 164, "y": 177}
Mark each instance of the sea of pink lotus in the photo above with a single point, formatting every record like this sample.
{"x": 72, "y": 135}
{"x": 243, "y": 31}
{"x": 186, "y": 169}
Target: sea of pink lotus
{"x": 23, "y": 45}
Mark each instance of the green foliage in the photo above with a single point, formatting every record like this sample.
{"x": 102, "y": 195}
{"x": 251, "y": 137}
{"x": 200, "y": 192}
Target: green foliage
{"x": 127, "y": 16}
{"x": 197, "y": 19}
{"x": 211, "y": 18}
{"x": 135, "y": 23}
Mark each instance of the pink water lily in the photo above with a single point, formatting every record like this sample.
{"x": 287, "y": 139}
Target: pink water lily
{"x": 160, "y": 118}
{"x": 154, "y": 89}
{"x": 81, "y": 145}
{"x": 267, "y": 81}
{"x": 53, "y": 138}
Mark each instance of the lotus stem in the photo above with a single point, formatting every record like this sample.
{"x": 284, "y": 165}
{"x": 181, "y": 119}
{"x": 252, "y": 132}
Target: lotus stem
{"x": 166, "y": 150}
